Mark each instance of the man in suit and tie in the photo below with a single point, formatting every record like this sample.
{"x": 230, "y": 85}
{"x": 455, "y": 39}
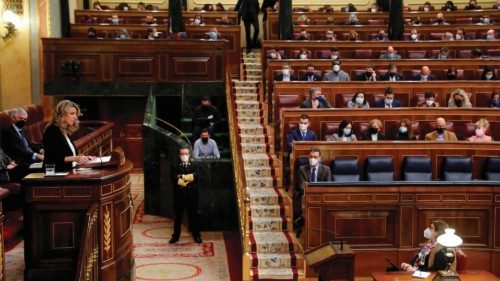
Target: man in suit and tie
{"x": 388, "y": 101}
{"x": 310, "y": 75}
{"x": 300, "y": 133}
{"x": 392, "y": 74}
{"x": 314, "y": 171}
{"x": 424, "y": 75}
{"x": 315, "y": 100}
{"x": 17, "y": 147}
{"x": 248, "y": 10}
{"x": 185, "y": 176}
{"x": 440, "y": 134}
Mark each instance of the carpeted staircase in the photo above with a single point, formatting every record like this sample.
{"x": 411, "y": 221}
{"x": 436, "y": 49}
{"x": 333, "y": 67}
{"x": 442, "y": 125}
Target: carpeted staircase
{"x": 273, "y": 246}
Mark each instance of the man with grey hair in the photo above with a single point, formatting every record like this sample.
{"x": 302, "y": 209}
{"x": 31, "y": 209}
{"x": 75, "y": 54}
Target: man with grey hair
{"x": 16, "y": 145}
{"x": 316, "y": 100}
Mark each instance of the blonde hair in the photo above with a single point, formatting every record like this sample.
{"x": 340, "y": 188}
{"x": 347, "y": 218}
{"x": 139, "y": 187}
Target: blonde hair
{"x": 377, "y": 122}
{"x": 61, "y": 109}
{"x": 482, "y": 123}
{"x": 465, "y": 98}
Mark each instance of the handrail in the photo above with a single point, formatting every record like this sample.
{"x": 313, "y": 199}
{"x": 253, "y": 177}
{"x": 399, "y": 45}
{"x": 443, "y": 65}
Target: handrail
{"x": 88, "y": 259}
{"x": 242, "y": 193}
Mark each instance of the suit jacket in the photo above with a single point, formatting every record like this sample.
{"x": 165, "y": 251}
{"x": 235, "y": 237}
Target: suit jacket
{"x": 418, "y": 77}
{"x": 247, "y": 8}
{"x": 323, "y": 103}
{"x": 342, "y": 75}
{"x": 315, "y": 77}
{"x": 296, "y": 135}
{"x": 386, "y": 77}
{"x": 4, "y": 161}
{"x": 178, "y": 169}
{"x": 386, "y": 57}
{"x": 368, "y": 136}
{"x": 381, "y": 104}
{"x": 363, "y": 77}
{"x": 280, "y": 77}
{"x": 304, "y": 174}
{"x": 57, "y": 148}
{"x": 13, "y": 146}
{"x": 335, "y": 137}
{"x": 448, "y": 136}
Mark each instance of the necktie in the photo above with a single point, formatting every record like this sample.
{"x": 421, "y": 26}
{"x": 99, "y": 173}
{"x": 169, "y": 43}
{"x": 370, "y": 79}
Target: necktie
{"x": 23, "y": 139}
{"x": 313, "y": 175}
{"x": 303, "y": 136}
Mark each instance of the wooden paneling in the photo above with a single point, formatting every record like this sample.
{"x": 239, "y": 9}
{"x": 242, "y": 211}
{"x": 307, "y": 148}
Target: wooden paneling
{"x": 377, "y": 229}
{"x": 135, "y": 61}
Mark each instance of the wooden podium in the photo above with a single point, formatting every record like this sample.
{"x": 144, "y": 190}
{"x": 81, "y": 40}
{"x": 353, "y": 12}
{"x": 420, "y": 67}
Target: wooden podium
{"x": 58, "y": 231}
{"x": 332, "y": 261}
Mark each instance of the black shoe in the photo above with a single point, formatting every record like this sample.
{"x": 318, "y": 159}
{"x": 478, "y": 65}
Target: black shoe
{"x": 197, "y": 239}
{"x": 173, "y": 240}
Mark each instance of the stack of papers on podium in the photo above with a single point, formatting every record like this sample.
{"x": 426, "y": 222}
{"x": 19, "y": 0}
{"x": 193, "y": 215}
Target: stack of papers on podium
{"x": 421, "y": 274}
{"x": 99, "y": 160}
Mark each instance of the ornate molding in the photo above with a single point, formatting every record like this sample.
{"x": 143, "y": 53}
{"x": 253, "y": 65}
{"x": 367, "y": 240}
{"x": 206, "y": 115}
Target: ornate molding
{"x": 107, "y": 231}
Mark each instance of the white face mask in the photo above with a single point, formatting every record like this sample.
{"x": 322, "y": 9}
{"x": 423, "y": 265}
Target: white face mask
{"x": 285, "y": 71}
{"x": 424, "y": 77}
{"x": 388, "y": 101}
{"x": 336, "y": 68}
{"x": 490, "y": 37}
{"x": 273, "y": 55}
{"x": 426, "y": 9}
{"x": 303, "y": 56}
{"x": 414, "y": 36}
{"x": 488, "y": 76}
{"x": 313, "y": 162}
{"x": 458, "y": 37}
{"x": 185, "y": 158}
{"x": 334, "y": 57}
{"x": 486, "y": 21}
{"x": 479, "y": 132}
{"x": 197, "y": 21}
{"x": 303, "y": 128}
{"x": 374, "y": 10}
{"x": 428, "y": 233}
{"x": 429, "y": 102}
{"x": 360, "y": 100}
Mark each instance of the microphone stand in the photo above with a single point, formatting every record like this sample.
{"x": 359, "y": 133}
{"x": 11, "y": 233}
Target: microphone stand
{"x": 101, "y": 165}
{"x": 335, "y": 235}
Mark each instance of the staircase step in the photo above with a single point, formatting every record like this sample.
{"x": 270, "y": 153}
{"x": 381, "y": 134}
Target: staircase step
{"x": 248, "y": 105}
{"x": 251, "y": 129}
{"x": 255, "y": 138}
{"x": 274, "y": 274}
{"x": 274, "y": 260}
{"x": 260, "y": 182}
{"x": 271, "y": 242}
{"x": 244, "y": 83}
{"x": 254, "y": 113}
{"x": 267, "y": 210}
{"x": 254, "y": 148}
{"x": 265, "y": 196}
{"x": 267, "y": 224}
{"x": 249, "y": 120}
{"x": 246, "y": 97}
{"x": 257, "y": 172}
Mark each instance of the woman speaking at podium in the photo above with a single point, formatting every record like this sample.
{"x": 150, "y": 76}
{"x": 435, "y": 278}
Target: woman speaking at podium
{"x": 59, "y": 149}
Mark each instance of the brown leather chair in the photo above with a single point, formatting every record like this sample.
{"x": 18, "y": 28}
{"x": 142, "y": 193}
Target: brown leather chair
{"x": 463, "y": 20}
{"x": 464, "y": 54}
{"x": 495, "y": 130}
{"x": 461, "y": 259}
{"x": 482, "y": 99}
{"x": 325, "y": 54}
{"x": 493, "y": 52}
{"x": 360, "y": 128}
{"x": 436, "y": 35}
{"x": 288, "y": 101}
{"x": 417, "y": 54}
{"x": 466, "y": 74}
{"x": 363, "y": 53}
{"x": 328, "y": 128}
{"x": 375, "y": 22}
{"x": 462, "y": 129}
{"x": 320, "y": 22}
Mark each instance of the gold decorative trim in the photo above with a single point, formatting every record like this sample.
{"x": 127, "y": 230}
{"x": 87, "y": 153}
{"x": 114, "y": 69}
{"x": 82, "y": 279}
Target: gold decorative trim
{"x": 107, "y": 231}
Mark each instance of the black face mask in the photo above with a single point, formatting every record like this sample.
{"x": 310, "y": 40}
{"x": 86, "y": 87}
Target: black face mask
{"x": 20, "y": 124}
{"x": 452, "y": 77}
{"x": 440, "y": 20}
{"x": 204, "y": 140}
{"x": 458, "y": 103}
{"x": 440, "y": 130}
{"x": 381, "y": 37}
{"x": 310, "y": 73}
{"x": 392, "y": 74}
{"x": 373, "y": 131}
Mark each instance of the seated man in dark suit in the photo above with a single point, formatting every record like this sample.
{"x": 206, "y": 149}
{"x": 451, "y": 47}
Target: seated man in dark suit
{"x": 310, "y": 75}
{"x": 17, "y": 147}
{"x": 392, "y": 74}
{"x": 368, "y": 75}
{"x": 388, "y": 101}
{"x": 285, "y": 74}
{"x": 315, "y": 100}
{"x": 390, "y": 55}
{"x": 314, "y": 171}
{"x": 300, "y": 133}
{"x": 424, "y": 75}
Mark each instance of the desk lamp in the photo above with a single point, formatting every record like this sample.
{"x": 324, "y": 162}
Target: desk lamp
{"x": 450, "y": 240}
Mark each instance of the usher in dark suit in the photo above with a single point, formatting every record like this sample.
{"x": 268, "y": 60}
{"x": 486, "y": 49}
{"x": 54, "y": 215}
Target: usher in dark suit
{"x": 185, "y": 197}
{"x": 248, "y": 10}
{"x": 57, "y": 148}
{"x": 19, "y": 150}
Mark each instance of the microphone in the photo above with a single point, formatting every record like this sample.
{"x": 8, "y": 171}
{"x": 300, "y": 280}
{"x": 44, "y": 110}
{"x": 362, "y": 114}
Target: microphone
{"x": 335, "y": 235}
{"x": 87, "y": 133}
{"x": 392, "y": 267}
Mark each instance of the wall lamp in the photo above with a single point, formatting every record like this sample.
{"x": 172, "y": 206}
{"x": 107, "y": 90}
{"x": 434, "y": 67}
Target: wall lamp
{"x": 10, "y": 19}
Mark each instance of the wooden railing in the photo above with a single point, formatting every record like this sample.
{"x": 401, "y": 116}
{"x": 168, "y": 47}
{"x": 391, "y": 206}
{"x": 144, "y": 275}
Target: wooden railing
{"x": 88, "y": 269}
{"x": 242, "y": 195}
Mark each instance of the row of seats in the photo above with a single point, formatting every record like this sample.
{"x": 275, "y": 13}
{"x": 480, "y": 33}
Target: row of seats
{"x": 415, "y": 168}
{"x": 463, "y": 20}
{"x": 374, "y": 54}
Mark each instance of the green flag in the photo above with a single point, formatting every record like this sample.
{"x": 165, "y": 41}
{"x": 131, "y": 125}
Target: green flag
{"x": 175, "y": 16}
{"x": 285, "y": 20}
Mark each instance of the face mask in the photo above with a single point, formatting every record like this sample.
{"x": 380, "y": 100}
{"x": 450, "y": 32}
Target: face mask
{"x": 458, "y": 103}
{"x": 428, "y": 233}
{"x": 336, "y": 68}
{"x": 329, "y": 36}
{"x": 403, "y": 130}
{"x": 392, "y": 74}
{"x": 20, "y": 123}
{"x": 490, "y": 37}
{"x": 313, "y": 162}
{"x": 115, "y": 21}
{"x": 426, "y": 9}
{"x": 273, "y": 55}
{"x": 212, "y": 35}
{"x": 440, "y": 130}
{"x": 488, "y": 76}
{"x": 424, "y": 77}
{"x": 429, "y": 102}
{"x": 303, "y": 56}
{"x": 125, "y": 8}
{"x": 303, "y": 128}
{"x": 443, "y": 57}
{"x": 310, "y": 73}
{"x": 479, "y": 132}
{"x": 388, "y": 101}
{"x": 495, "y": 102}
{"x": 334, "y": 57}
{"x": 417, "y": 22}
{"x": 486, "y": 21}
{"x": 360, "y": 100}
{"x": 346, "y": 131}
{"x": 184, "y": 158}
{"x": 391, "y": 56}
{"x": 373, "y": 131}
{"x": 197, "y": 21}
{"x": 381, "y": 37}
{"x": 123, "y": 36}
{"x": 458, "y": 37}
{"x": 414, "y": 36}
{"x": 452, "y": 76}
{"x": 440, "y": 20}
{"x": 204, "y": 140}
{"x": 374, "y": 10}
{"x": 285, "y": 71}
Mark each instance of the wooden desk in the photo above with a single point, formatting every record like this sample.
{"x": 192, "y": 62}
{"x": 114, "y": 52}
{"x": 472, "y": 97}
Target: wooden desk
{"x": 466, "y": 275}
{"x": 54, "y": 216}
